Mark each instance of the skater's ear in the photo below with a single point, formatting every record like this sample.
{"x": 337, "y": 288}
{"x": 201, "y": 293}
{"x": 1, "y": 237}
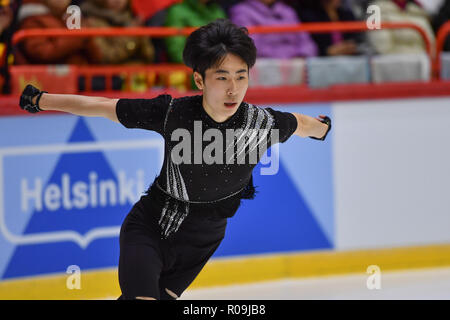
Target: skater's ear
{"x": 198, "y": 79}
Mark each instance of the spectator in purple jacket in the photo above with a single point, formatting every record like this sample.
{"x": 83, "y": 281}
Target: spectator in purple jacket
{"x": 272, "y": 12}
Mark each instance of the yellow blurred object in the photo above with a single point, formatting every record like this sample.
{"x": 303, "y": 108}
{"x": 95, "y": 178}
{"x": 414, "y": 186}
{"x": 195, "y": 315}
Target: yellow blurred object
{"x": 177, "y": 79}
{"x": 151, "y": 79}
{"x": 10, "y": 59}
{"x": 143, "y": 81}
{"x": 23, "y": 82}
{"x": 124, "y": 78}
{"x": 2, "y": 48}
{"x": 138, "y": 82}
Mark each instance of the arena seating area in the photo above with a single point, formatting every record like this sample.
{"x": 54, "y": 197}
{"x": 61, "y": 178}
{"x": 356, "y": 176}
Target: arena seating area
{"x": 308, "y": 72}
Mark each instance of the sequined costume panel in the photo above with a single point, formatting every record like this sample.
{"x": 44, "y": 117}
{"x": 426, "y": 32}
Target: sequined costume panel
{"x": 208, "y": 165}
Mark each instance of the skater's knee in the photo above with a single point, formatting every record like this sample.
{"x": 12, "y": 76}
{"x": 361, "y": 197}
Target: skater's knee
{"x": 173, "y": 295}
{"x": 145, "y": 298}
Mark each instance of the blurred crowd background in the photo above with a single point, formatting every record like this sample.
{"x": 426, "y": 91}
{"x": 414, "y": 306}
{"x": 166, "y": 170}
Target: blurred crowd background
{"x": 319, "y": 59}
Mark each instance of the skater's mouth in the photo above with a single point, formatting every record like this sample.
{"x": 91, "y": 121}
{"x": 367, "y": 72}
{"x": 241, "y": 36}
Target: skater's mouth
{"x": 230, "y": 104}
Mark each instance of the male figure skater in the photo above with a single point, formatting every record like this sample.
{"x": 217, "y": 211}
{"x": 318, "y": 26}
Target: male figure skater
{"x": 176, "y": 226}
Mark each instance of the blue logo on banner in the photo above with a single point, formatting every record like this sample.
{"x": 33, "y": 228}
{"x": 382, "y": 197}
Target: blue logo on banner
{"x": 77, "y": 214}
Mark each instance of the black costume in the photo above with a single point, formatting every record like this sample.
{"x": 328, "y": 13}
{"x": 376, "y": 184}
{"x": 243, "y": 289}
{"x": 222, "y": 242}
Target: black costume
{"x": 174, "y": 228}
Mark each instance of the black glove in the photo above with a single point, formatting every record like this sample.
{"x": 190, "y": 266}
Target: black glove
{"x": 326, "y": 120}
{"x": 26, "y": 99}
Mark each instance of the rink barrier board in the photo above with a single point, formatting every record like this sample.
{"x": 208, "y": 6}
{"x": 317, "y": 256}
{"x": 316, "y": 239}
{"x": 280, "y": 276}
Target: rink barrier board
{"x": 103, "y": 284}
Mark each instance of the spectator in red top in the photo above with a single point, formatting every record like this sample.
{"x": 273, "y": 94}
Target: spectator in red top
{"x": 147, "y": 9}
{"x": 154, "y": 13}
{"x": 46, "y": 14}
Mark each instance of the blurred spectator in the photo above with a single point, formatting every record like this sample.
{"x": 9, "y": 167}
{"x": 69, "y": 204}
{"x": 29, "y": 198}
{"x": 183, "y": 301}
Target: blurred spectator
{"x": 76, "y": 2}
{"x": 51, "y": 50}
{"x": 431, "y": 6}
{"x": 154, "y": 13}
{"x": 6, "y": 16}
{"x": 6, "y": 19}
{"x": 273, "y": 12}
{"x": 401, "y": 40}
{"x": 227, "y": 5}
{"x": 189, "y": 13}
{"x": 440, "y": 18}
{"x": 334, "y": 43}
{"x": 357, "y": 7}
{"x": 118, "y": 49}
{"x": 150, "y": 9}
{"x": 8, "y": 13}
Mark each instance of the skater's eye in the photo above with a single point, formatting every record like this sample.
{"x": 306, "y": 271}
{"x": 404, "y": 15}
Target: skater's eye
{"x": 241, "y": 78}
{"x": 221, "y": 78}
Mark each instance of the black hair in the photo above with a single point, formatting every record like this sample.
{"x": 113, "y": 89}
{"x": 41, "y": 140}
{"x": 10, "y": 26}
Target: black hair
{"x": 207, "y": 46}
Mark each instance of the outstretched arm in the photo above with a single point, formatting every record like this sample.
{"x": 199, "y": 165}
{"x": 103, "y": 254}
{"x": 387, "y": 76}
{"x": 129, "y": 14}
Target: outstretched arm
{"x": 71, "y": 103}
{"x": 310, "y": 127}
{"x": 80, "y": 105}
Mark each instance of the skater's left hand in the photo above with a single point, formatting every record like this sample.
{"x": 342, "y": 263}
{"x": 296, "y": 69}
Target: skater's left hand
{"x": 324, "y": 119}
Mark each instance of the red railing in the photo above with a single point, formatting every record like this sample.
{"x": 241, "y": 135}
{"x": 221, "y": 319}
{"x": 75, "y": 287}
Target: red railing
{"x": 156, "y": 32}
{"x": 279, "y": 94}
{"x": 441, "y": 36}
{"x": 108, "y": 71}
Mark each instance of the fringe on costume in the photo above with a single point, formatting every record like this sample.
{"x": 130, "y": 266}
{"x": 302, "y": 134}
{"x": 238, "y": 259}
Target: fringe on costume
{"x": 174, "y": 210}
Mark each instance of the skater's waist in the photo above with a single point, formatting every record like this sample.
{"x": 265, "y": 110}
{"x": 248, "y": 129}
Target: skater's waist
{"x": 157, "y": 198}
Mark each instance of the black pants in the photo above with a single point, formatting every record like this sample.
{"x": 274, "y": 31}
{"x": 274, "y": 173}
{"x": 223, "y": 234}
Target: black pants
{"x": 148, "y": 265}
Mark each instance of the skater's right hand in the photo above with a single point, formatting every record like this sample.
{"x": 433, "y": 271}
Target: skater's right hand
{"x": 27, "y": 97}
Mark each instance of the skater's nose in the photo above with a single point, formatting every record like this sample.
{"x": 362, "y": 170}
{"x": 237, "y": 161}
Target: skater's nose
{"x": 231, "y": 91}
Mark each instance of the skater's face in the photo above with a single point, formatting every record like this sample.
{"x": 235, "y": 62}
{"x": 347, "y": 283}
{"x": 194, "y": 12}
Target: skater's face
{"x": 224, "y": 87}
